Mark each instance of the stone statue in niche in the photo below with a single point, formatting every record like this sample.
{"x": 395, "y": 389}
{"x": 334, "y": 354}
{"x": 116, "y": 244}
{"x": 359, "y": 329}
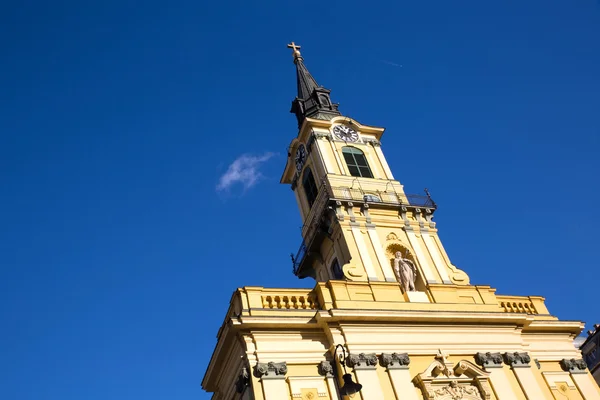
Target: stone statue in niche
{"x": 405, "y": 271}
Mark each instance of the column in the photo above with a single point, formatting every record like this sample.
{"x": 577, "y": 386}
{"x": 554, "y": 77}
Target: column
{"x": 397, "y": 368}
{"x": 519, "y": 363}
{"x": 584, "y": 382}
{"x": 326, "y": 369}
{"x": 365, "y": 368}
{"x": 272, "y": 377}
{"x": 492, "y": 363}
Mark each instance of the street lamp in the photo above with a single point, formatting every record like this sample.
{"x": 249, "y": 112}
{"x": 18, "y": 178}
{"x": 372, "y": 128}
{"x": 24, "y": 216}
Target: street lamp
{"x": 349, "y": 387}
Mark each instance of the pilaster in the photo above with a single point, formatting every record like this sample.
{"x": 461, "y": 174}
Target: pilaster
{"x": 362, "y": 250}
{"x": 396, "y": 365}
{"x": 436, "y": 257}
{"x": 326, "y": 370}
{"x": 365, "y": 368}
{"x": 272, "y": 377}
{"x": 388, "y": 273}
{"x": 492, "y": 363}
{"x": 425, "y": 267}
{"x": 583, "y": 380}
{"x": 519, "y": 363}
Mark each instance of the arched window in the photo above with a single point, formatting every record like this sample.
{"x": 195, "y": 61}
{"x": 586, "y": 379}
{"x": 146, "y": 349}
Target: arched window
{"x": 336, "y": 270}
{"x": 310, "y": 187}
{"x": 356, "y": 162}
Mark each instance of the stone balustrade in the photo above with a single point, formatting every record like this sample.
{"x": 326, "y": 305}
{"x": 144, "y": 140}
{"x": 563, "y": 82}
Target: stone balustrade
{"x": 522, "y": 304}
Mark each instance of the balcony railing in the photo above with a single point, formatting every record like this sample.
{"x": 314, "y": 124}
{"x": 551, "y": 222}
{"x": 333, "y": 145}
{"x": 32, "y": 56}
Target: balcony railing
{"x": 314, "y": 222}
{"x": 382, "y": 197}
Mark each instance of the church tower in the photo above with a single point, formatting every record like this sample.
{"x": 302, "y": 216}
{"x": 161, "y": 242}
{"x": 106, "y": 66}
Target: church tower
{"x": 390, "y": 317}
{"x": 355, "y": 215}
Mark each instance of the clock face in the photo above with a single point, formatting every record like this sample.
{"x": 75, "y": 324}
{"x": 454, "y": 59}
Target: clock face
{"x": 345, "y": 133}
{"x": 300, "y": 157}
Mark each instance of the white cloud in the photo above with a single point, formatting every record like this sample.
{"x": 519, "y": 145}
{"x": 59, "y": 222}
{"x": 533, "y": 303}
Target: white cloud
{"x": 244, "y": 170}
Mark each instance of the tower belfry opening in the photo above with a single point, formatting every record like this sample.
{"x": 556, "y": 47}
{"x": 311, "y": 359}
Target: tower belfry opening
{"x": 409, "y": 323}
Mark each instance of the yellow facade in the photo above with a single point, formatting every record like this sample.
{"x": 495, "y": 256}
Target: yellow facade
{"x": 446, "y": 339}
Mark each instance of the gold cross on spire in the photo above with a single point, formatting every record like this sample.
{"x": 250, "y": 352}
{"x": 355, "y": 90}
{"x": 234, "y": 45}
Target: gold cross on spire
{"x": 295, "y": 50}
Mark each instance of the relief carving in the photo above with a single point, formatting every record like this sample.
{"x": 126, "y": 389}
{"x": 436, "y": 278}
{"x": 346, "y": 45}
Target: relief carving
{"x": 361, "y": 360}
{"x": 517, "y": 359}
{"x": 454, "y": 391}
{"x": 573, "y": 365}
{"x": 489, "y": 359}
{"x": 395, "y": 360}
{"x": 270, "y": 369}
{"x": 325, "y": 368}
{"x": 391, "y": 236}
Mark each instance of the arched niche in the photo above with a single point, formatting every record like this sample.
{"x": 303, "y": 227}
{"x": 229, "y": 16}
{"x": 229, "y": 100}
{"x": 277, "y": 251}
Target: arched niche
{"x": 390, "y": 253}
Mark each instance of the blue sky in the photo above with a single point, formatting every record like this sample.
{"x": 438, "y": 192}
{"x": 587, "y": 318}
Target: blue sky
{"x": 120, "y": 245}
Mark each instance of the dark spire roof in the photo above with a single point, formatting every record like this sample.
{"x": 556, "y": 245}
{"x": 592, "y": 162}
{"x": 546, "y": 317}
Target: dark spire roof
{"x": 312, "y": 100}
{"x": 306, "y": 82}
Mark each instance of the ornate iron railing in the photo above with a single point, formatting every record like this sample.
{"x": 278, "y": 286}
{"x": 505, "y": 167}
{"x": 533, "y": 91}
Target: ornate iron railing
{"x": 383, "y": 197}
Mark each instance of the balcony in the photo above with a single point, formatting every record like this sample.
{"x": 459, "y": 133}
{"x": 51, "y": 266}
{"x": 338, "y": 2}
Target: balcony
{"x": 317, "y": 226}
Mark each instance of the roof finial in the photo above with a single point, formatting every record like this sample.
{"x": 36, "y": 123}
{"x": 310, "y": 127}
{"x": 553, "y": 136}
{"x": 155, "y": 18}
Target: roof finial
{"x": 295, "y": 51}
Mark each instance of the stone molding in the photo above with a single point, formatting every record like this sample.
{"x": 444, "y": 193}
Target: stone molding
{"x": 573, "y": 366}
{"x": 489, "y": 360}
{"x": 271, "y": 370}
{"x": 517, "y": 360}
{"x": 362, "y": 361}
{"x": 395, "y": 360}
{"x": 325, "y": 369}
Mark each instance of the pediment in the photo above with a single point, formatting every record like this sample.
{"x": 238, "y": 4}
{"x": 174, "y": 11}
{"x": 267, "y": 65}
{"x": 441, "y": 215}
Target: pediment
{"x": 442, "y": 380}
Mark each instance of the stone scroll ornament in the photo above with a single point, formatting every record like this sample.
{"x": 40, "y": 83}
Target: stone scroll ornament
{"x": 395, "y": 360}
{"x": 361, "y": 360}
{"x": 573, "y": 365}
{"x": 517, "y": 359}
{"x": 405, "y": 271}
{"x": 270, "y": 369}
{"x": 325, "y": 368}
{"x": 489, "y": 359}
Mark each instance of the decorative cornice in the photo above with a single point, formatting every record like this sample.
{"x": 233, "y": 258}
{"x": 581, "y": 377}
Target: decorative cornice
{"x": 395, "y": 360}
{"x": 573, "y": 366}
{"x": 489, "y": 360}
{"x": 362, "y": 361}
{"x": 270, "y": 370}
{"x": 325, "y": 368}
{"x": 242, "y": 381}
{"x": 517, "y": 359}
